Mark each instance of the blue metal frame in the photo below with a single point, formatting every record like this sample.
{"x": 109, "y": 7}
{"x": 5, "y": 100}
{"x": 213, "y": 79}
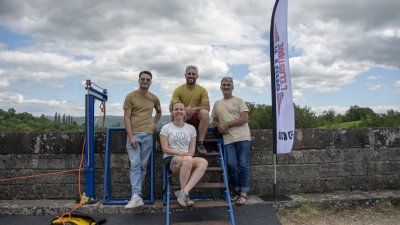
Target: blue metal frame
{"x": 88, "y": 163}
{"x": 222, "y": 158}
{"x": 225, "y": 193}
{"x": 107, "y": 199}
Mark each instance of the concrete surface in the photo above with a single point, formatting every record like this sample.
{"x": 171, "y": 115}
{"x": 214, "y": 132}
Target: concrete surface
{"x": 57, "y": 207}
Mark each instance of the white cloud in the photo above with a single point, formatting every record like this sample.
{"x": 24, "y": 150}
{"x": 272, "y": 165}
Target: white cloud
{"x": 111, "y": 41}
{"x": 374, "y": 77}
{"x": 375, "y": 87}
{"x": 397, "y": 86}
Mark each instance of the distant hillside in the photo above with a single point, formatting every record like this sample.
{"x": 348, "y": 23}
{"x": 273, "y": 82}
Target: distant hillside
{"x": 113, "y": 121}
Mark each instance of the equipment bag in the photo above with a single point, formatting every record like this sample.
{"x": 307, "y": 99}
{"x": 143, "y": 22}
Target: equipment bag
{"x": 78, "y": 218}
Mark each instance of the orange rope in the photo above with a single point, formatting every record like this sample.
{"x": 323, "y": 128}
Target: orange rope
{"x": 77, "y": 206}
{"x": 39, "y": 175}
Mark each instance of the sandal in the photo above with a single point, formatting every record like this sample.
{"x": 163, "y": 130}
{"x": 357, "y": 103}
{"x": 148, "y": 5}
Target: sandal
{"x": 242, "y": 200}
{"x": 235, "y": 197}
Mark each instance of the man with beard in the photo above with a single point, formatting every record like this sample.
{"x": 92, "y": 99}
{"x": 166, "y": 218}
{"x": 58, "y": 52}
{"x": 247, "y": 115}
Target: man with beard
{"x": 197, "y": 105}
{"x": 139, "y": 125}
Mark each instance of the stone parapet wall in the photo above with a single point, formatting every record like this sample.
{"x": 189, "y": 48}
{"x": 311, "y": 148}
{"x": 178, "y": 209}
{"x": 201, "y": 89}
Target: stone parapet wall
{"x": 322, "y": 160}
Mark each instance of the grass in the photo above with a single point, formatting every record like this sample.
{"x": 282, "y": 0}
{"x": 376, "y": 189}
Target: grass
{"x": 386, "y": 207}
{"x": 352, "y": 124}
{"x": 304, "y": 212}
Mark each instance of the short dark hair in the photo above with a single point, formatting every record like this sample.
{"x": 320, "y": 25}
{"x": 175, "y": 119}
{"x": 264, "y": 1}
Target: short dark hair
{"x": 146, "y": 72}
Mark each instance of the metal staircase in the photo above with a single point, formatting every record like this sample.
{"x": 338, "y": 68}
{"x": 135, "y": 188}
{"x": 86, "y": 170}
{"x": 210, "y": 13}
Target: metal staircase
{"x": 203, "y": 190}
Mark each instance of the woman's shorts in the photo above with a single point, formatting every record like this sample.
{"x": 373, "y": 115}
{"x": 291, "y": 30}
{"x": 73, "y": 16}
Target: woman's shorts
{"x": 167, "y": 162}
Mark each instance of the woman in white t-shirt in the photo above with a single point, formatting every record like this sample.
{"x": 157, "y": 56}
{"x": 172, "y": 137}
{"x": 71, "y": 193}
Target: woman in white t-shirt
{"x": 178, "y": 141}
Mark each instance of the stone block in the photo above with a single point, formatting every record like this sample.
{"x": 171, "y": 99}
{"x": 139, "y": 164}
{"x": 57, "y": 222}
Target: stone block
{"x": 352, "y": 138}
{"x": 298, "y": 171}
{"x": 262, "y": 139}
{"x": 386, "y": 137}
{"x": 383, "y": 168}
{"x": 354, "y": 169}
{"x": 331, "y": 184}
{"x": 313, "y": 139}
{"x": 6, "y": 192}
{"x": 331, "y": 170}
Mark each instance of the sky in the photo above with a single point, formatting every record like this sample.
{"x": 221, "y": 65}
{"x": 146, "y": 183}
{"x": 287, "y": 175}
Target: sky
{"x": 342, "y": 53}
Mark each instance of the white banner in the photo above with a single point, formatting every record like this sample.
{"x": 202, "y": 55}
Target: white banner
{"x": 284, "y": 107}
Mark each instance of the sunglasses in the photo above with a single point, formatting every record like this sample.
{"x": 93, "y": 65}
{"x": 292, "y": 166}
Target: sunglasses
{"x": 191, "y": 67}
{"x": 142, "y": 79}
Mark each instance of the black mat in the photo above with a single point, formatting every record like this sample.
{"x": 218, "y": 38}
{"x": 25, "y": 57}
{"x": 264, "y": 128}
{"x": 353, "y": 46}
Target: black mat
{"x": 277, "y": 198}
{"x": 257, "y": 214}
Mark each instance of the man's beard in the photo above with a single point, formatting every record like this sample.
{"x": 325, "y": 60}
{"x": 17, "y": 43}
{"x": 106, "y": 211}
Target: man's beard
{"x": 192, "y": 81}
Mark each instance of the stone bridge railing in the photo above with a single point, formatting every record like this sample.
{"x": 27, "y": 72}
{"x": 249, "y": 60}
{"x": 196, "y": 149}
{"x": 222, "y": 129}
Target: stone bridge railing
{"x": 322, "y": 160}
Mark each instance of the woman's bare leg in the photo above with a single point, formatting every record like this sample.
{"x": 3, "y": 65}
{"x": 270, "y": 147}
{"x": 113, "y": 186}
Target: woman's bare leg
{"x": 199, "y": 166}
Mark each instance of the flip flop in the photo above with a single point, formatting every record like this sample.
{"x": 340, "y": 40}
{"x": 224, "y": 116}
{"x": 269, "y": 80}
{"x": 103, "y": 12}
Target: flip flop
{"x": 235, "y": 197}
{"x": 240, "y": 200}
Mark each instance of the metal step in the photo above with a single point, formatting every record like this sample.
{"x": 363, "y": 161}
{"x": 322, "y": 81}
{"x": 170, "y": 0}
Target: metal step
{"x": 209, "y": 154}
{"x": 200, "y": 204}
{"x": 202, "y": 185}
{"x": 213, "y": 222}
{"x": 210, "y": 140}
{"x": 214, "y": 169}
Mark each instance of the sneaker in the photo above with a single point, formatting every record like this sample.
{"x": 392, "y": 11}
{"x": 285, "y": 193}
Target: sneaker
{"x": 134, "y": 202}
{"x": 188, "y": 202}
{"x": 200, "y": 149}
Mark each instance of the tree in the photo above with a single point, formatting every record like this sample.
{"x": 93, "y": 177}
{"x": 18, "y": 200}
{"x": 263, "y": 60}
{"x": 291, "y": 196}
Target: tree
{"x": 329, "y": 117}
{"x": 11, "y": 112}
{"x": 55, "y": 118}
{"x": 260, "y": 116}
{"x": 356, "y": 113}
{"x": 305, "y": 117}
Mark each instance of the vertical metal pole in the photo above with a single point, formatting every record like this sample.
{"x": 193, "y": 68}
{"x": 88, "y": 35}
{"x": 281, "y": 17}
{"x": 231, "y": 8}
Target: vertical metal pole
{"x": 152, "y": 171}
{"x": 89, "y": 146}
{"x": 274, "y": 176}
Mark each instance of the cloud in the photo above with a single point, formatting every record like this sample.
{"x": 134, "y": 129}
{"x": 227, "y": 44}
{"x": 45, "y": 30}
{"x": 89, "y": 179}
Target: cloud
{"x": 38, "y": 107}
{"x": 397, "y": 86}
{"x": 374, "y": 77}
{"x": 332, "y": 42}
{"x": 375, "y": 87}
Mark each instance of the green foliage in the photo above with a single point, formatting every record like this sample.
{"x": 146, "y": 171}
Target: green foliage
{"x": 260, "y": 117}
{"x": 11, "y": 121}
{"x": 305, "y": 118}
{"x": 356, "y": 113}
{"x": 389, "y": 119}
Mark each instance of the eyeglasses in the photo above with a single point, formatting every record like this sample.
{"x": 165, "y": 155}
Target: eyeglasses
{"x": 192, "y": 67}
{"x": 226, "y": 85}
{"x": 142, "y": 79}
{"x": 191, "y": 74}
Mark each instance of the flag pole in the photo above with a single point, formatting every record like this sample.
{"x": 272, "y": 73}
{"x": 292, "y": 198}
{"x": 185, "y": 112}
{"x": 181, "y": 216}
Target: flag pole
{"x": 273, "y": 94}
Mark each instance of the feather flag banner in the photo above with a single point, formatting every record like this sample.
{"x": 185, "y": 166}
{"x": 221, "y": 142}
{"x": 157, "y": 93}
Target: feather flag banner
{"x": 281, "y": 87}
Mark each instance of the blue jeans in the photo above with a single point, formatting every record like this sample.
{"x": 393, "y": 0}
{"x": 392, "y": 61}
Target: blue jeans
{"x": 138, "y": 158}
{"x": 238, "y": 162}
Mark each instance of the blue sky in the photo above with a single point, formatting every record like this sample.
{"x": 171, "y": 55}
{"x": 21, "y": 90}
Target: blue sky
{"x": 342, "y": 53}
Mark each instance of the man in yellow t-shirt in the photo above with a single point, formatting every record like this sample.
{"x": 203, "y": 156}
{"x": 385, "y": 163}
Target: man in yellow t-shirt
{"x": 139, "y": 125}
{"x": 197, "y": 104}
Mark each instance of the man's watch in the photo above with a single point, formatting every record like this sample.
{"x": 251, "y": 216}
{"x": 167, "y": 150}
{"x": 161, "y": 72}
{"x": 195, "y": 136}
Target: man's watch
{"x": 229, "y": 124}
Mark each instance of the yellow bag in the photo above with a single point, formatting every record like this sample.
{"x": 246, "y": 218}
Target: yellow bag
{"x": 78, "y": 218}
